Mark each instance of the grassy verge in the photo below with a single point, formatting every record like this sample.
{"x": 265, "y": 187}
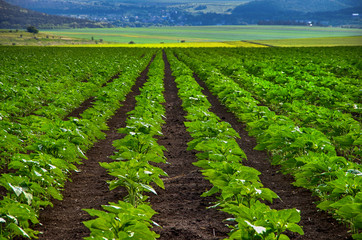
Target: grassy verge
{"x": 23, "y": 38}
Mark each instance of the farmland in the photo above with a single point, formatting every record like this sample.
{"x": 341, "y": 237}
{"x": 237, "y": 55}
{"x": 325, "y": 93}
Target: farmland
{"x": 210, "y": 36}
{"x": 315, "y": 42}
{"x": 180, "y": 143}
{"x": 205, "y": 33}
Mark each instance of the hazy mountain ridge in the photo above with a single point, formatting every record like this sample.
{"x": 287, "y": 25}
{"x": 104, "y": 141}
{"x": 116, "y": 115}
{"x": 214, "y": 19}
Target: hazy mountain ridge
{"x": 313, "y": 5}
{"x": 325, "y": 12}
{"x": 296, "y": 5}
{"x": 203, "y": 12}
{"x": 12, "y": 16}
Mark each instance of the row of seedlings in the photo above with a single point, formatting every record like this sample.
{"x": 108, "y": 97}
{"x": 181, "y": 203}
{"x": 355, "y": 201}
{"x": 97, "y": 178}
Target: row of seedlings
{"x": 39, "y": 174}
{"x": 239, "y": 189}
{"x": 34, "y": 78}
{"x": 303, "y": 102}
{"x": 132, "y": 168}
{"x": 306, "y": 153}
{"x": 335, "y": 68}
{"x": 15, "y": 112}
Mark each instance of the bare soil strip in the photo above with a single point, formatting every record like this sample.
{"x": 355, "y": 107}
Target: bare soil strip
{"x": 257, "y": 43}
{"x": 182, "y": 212}
{"x": 88, "y": 188}
{"x": 88, "y": 103}
{"x": 84, "y": 106}
{"x": 112, "y": 79}
{"x": 316, "y": 224}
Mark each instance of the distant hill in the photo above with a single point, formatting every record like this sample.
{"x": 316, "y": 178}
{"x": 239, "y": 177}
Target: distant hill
{"x": 284, "y": 5}
{"x": 203, "y": 12}
{"x": 336, "y": 12}
{"x": 15, "y": 17}
{"x": 106, "y": 8}
{"x": 306, "y": 6}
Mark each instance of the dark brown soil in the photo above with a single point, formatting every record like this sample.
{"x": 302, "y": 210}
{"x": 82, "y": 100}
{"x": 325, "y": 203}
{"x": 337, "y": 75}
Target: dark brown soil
{"x": 316, "y": 224}
{"x": 182, "y": 212}
{"x": 88, "y": 188}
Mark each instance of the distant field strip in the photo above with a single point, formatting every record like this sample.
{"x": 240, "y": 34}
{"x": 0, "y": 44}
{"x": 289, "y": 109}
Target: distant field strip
{"x": 175, "y": 45}
{"x": 315, "y": 42}
{"x": 138, "y": 36}
{"x": 205, "y": 33}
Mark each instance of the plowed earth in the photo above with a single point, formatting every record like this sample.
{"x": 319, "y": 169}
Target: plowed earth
{"x": 182, "y": 212}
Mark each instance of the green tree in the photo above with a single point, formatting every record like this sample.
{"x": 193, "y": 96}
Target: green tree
{"x": 32, "y": 29}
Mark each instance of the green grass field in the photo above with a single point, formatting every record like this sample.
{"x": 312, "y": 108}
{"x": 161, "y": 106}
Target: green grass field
{"x": 315, "y": 42}
{"x": 205, "y": 33}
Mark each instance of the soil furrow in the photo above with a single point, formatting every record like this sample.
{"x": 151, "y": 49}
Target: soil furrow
{"x": 182, "y": 212}
{"x": 316, "y": 224}
{"x": 88, "y": 188}
{"x": 84, "y": 106}
{"x": 262, "y": 44}
{"x": 111, "y": 79}
{"x": 89, "y": 102}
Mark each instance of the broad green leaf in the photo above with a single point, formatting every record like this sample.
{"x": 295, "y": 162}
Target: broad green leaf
{"x": 148, "y": 188}
{"x": 325, "y": 205}
{"x": 357, "y": 236}
{"x": 55, "y": 193}
{"x": 258, "y": 229}
{"x": 284, "y": 237}
{"x": 100, "y": 224}
{"x": 295, "y": 228}
{"x": 18, "y": 230}
{"x": 81, "y": 153}
{"x": 17, "y": 190}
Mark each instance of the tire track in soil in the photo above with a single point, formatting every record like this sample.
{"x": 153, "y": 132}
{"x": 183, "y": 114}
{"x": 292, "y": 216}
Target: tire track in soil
{"x": 88, "y": 188}
{"x": 316, "y": 224}
{"x": 182, "y": 212}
